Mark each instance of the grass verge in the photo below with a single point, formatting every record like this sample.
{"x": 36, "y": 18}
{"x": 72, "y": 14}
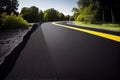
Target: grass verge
{"x": 30, "y": 24}
{"x": 112, "y": 27}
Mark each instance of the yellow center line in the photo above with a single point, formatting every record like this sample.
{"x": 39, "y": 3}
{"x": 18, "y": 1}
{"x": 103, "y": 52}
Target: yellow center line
{"x": 101, "y": 34}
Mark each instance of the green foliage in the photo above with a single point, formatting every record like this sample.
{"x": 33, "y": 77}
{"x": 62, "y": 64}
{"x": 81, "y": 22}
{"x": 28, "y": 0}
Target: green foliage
{"x": 30, "y": 14}
{"x": 52, "y": 15}
{"x": 12, "y": 21}
{"x": 76, "y": 12}
{"x": 89, "y": 18}
{"x": 83, "y": 3}
{"x": 24, "y": 10}
{"x": 40, "y": 15}
{"x": 8, "y": 6}
{"x": 113, "y": 27}
{"x": 102, "y": 11}
{"x": 80, "y": 18}
{"x": 61, "y": 16}
{"x": 72, "y": 18}
{"x": 88, "y": 14}
{"x": 26, "y": 14}
{"x": 34, "y": 14}
{"x": 46, "y": 16}
{"x": 67, "y": 17}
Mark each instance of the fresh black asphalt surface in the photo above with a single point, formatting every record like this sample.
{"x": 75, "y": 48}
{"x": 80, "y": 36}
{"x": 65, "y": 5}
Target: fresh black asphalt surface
{"x": 57, "y": 53}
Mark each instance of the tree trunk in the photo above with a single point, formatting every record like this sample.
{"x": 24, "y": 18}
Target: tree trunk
{"x": 112, "y": 16}
{"x": 103, "y": 15}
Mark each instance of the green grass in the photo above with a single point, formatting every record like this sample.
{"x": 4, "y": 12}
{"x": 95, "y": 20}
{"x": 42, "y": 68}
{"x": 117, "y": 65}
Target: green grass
{"x": 113, "y": 27}
{"x": 30, "y": 24}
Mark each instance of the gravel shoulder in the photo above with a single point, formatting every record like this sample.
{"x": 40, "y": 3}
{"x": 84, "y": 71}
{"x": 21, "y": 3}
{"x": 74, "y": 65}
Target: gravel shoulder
{"x": 10, "y": 39}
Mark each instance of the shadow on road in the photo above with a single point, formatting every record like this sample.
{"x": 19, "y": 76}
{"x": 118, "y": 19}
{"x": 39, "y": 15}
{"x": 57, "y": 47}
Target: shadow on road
{"x": 10, "y": 60}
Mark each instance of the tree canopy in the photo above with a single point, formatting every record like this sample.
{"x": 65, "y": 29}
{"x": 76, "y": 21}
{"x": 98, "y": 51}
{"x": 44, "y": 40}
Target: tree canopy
{"x": 8, "y": 6}
{"x": 40, "y": 15}
{"x": 30, "y": 14}
{"x": 97, "y": 10}
{"x": 53, "y": 15}
{"x": 33, "y": 14}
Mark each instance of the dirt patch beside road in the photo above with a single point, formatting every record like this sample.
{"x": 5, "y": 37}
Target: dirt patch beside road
{"x": 10, "y": 39}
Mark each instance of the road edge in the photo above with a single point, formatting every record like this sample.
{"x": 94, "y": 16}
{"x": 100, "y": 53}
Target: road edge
{"x": 24, "y": 38}
{"x": 93, "y": 32}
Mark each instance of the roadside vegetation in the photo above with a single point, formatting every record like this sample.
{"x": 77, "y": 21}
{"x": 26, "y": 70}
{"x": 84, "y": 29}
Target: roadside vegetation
{"x": 91, "y": 13}
{"x": 98, "y": 14}
{"x": 33, "y": 14}
{"x": 10, "y": 18}
{"x": 30, "y": 14}
{"x": 12, "y": 21}
{"x": 112, "y": 27}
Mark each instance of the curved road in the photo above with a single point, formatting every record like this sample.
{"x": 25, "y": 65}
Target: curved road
{"x": 58, "y": 53}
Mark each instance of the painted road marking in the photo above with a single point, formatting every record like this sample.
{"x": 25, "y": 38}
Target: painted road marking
{"x": 101, "y": 34}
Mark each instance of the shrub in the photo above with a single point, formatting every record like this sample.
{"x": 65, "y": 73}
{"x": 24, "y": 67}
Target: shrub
{"x": 12, "y": 21}
{"x": 89, "y": 18}
{"x": 80, "y": 18}
{"x": 86, "y": 18}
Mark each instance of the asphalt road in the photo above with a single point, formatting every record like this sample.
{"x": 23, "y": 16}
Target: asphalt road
{"x": 57, "y": 53}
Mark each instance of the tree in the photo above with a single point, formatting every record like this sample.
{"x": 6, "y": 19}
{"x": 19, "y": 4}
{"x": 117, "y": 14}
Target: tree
{"x": 24, "y": 10}
{"x": 110, "y": 10}
{"x": 34, "y": 14}
{"x": 12, "y": 21}
{"x": 61, "y": 16}
{"x": 76, "y": 12}
{"x": 30, "y": 14}
{"x": 40, "y": 15}
{"x": 87, "y": 11}
{"x": 67, "y": 17}
{"x": 8, "y": 6}
{"x": 26, "y": 13}
{"x": 51, "y": 15}
{"x": 116, "y": 11}
{"x": 83, "y": 3}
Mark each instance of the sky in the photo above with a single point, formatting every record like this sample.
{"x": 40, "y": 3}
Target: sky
{"x": 64, "y": 6}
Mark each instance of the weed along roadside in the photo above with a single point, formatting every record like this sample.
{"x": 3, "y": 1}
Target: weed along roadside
{"x": 14, "y": 41}
{"x": 107, "y": 26}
